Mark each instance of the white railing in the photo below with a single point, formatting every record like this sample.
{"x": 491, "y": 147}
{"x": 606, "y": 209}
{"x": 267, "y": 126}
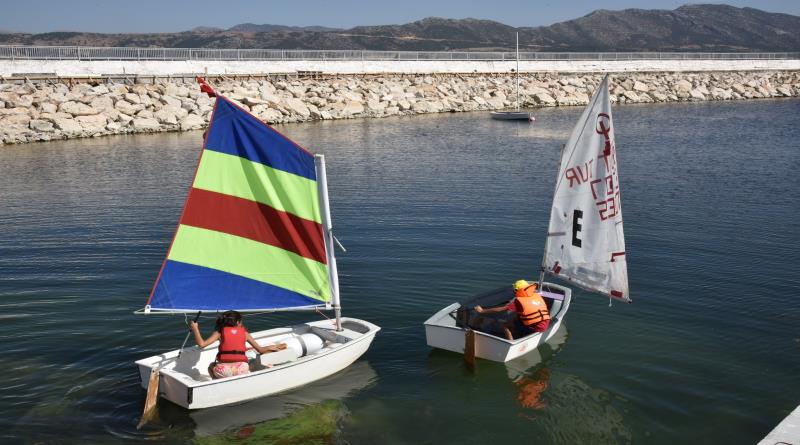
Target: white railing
{"x": 13, "y": 52}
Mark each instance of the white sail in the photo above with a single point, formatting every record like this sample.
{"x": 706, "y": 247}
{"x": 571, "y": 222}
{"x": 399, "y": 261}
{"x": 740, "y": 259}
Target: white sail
{"x": 585, "y": 241}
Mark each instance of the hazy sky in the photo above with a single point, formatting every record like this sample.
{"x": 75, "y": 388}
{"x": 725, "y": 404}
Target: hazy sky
{"x": 38, "y": 16}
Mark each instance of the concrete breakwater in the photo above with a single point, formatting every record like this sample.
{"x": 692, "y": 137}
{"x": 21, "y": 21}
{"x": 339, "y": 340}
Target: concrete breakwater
{"x": 50, "y": 111}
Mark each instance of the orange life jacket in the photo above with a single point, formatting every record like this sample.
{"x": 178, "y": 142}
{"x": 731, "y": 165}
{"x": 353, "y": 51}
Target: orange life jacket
{"x": 531, "y": 308}
{"x": 232, "y": 344}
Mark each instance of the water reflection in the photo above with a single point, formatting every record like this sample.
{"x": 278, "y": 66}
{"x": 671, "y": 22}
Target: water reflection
{"x": 305, "y": 415}
{"x": 530, "y": 377}
{"x": 563, "y": 405}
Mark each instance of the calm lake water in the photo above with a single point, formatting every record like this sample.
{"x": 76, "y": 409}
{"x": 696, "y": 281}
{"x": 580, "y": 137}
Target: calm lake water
{"x": 431, "y": 209}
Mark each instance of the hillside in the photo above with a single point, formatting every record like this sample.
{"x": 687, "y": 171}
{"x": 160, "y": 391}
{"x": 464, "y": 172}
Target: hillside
{"x": 687, "y": 28}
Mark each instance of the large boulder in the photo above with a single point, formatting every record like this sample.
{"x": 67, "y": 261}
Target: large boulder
{"x": 297, "y": 90}
{"x": 127, "y": 108}
{"x": 376, "y": 106}
{"x": 297, "y": 107}
{"x": 631, "y": 96}
{"x": 77, "y": 109}
{"x": 495, "y": 102}
{"x": 683, "y": 85}
{"x": 544, "y": 99}
{"x": 69, "y": 127}
{"x": 192, "y": 122}
{"x": 132, "y": 98}
{"x": 253, "y": 101}
{"x": 267, "y": 114}
{"x": 785, "y": 90}
{"x": 352, "y": 108}
{"x": 639, "y": 86}
{"x": 422, "y": 106}
{"x": 176, "y": 90}
{"x": 696, "y": 94}
{"x": 102, "y": 103}
{"x": 10, "y": 111}
{"x": 170, "y": 101}
{"x": 16, "y": 118}
{"x": 92, "y": 124}
{"x": 145, "y": 124}
{"x": 167, "y": 115}
{"x": 20, "y": 101}
{"x": 41, "y": 126}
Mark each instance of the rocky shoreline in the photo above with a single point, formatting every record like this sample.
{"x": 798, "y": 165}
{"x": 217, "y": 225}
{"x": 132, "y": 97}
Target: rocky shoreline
{"x": 50, "y": 111}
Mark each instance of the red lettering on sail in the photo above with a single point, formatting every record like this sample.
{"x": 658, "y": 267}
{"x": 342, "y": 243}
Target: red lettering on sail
{"x": 609, "y": 183}
{"x": 579, "y": 174}
{"x": 604, "y": 127}
{"x": 608, "y": 208}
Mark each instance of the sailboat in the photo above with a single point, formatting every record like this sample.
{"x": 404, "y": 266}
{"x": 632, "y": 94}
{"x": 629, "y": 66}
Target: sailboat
{"x": 255, "y": 236}
{"x": 585, "y": 244}
{"x": 514, "y": 115}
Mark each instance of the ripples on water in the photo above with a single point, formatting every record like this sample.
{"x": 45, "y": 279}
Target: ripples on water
{"x": 431, "y": 209}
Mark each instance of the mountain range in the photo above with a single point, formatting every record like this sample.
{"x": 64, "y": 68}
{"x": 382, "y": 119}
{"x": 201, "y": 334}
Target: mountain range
{"x": 687, "y": 28}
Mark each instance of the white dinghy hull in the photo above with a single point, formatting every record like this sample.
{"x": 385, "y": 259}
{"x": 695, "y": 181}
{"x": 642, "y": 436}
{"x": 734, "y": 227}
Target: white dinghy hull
{"x": 185, "y": 381}
{"x": 442, "y": 331}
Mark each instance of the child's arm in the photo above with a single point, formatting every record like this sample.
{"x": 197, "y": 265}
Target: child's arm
{"x": 264, "y": 349}
{"x": 199, "y": 338}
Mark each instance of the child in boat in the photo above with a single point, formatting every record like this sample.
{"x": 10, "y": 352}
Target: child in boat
{"x": 232, "y": 335}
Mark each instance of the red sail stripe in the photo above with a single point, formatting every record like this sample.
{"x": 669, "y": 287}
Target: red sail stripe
{"x": 258, "y": 222}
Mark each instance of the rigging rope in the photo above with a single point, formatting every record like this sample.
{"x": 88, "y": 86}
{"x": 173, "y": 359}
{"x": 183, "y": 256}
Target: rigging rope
{"x": 325, "y": 316}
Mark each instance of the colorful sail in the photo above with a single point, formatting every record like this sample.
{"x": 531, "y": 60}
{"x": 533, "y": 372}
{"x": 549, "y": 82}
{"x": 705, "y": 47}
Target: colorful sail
{"x": 586, "y": 243}
{"x": 251, "y": 235}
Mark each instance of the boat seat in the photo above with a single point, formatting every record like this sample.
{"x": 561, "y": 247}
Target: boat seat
{"x": 553, "y": 301}
{"x": 278, "y": 357}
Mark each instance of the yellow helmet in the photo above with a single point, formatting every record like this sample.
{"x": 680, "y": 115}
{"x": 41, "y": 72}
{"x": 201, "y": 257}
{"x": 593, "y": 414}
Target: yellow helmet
{"x": 521, "y": 284}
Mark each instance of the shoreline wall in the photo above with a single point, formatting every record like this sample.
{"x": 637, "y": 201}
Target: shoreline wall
{"x": 66, "y": 68}
{"x": 51, "y": 111}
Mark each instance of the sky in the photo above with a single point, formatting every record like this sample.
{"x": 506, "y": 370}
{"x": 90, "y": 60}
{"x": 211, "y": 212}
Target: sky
{"x": 139, "y": 16}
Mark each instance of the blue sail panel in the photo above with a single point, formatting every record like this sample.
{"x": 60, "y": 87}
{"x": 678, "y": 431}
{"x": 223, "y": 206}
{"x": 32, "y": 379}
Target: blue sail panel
{"x": 186, "y": 287}
{"x": 239, "y": 133}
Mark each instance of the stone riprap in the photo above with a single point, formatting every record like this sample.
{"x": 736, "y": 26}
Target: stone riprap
{"x": 48, "y": 111}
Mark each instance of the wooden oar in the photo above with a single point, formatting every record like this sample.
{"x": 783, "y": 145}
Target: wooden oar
{"x": 469, "y": 349}
{"x": 149, "y": 412}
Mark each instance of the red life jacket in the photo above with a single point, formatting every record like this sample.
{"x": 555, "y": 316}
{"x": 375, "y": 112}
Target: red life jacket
{"x": 232, "y": 344}
{"x": 531, "y": 308}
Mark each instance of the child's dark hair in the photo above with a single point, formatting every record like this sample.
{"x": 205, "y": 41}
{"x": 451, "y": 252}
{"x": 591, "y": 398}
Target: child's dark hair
{"x": 228, "y": 318}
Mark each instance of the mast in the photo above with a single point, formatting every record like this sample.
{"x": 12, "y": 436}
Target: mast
{"x": 547, "y": 238}
{"x": 517, "y": 71}
{"x": 327, "y": 229}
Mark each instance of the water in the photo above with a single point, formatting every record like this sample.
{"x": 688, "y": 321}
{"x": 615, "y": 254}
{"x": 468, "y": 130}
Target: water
{"x": 431, "y": 209}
